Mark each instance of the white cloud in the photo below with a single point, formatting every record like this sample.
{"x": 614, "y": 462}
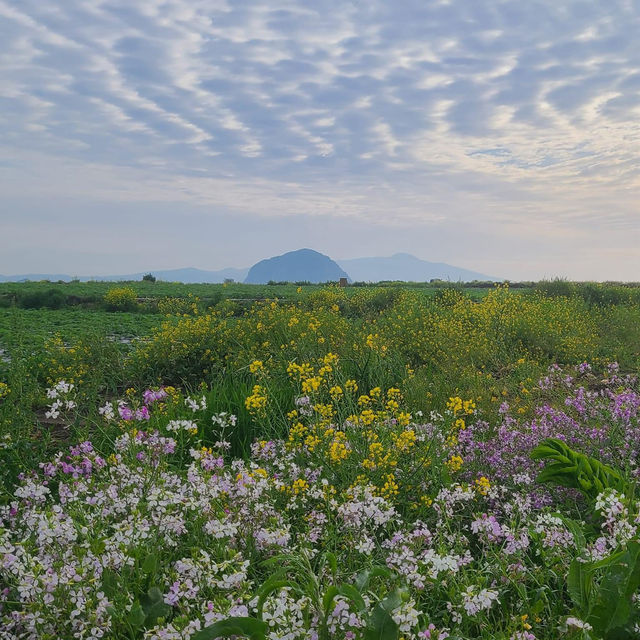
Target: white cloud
{"x": 441, "y": 113}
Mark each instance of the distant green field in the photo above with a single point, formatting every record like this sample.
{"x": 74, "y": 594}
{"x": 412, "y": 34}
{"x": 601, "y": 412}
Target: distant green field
{"x": 55, "y": 295}
{"x": 94, "y": 291}
{"x": 33, "y": 312}
{"x": 31, "y": 327}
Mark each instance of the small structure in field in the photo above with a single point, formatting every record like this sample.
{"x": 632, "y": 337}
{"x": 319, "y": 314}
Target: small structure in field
{"x": 343, "y": 282}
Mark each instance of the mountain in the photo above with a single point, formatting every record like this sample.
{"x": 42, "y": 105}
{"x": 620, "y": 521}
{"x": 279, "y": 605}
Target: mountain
{"x": 36, "y": 277}
{"x": 407, "y": 268}
{"x": 188, "y": 276}
{"x": 296, "y": 266}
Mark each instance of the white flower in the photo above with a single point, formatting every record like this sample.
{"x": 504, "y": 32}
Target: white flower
{"x": 474, "y": 602}
{"x": 196, "y": 405}
{"x": 107, "y": 411}
{"x": 578, "y": 624}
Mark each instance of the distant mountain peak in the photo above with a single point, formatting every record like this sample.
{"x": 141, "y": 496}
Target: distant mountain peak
{"x": 404, "y": 256}
{"x": 296, "y": 266}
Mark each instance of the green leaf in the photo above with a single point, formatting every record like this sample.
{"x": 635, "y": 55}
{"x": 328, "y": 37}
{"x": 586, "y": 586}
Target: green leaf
{"x": 154, "y": 606}
{"x": 612, "y": 608}
{"x": 364, "y": 577}
{"x": 578, "y": 585}
{"x": 150, "y": 564}
{"x": 109, "y": 583}
{"x": 245, "y": 627}
{"x": 274, "y": 583}
{"x": 543, "y": 451}
{"x": 381, "y": 625}
{"x": 575, "y": 470}
{"x": 346, "y": 590}
{"x": 136, "y": 616}
{"x": 331, "y": 560}
{"x": 575, "y": 528}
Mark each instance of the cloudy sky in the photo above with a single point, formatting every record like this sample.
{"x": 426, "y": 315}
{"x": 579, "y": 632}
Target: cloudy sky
{"x": 501, "y": 136}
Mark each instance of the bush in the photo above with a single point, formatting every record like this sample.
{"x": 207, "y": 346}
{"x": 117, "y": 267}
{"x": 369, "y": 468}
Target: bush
{"x": 120, "y": 299}
{"x": 556, "y": 288}
{"x": 49, "y": 299}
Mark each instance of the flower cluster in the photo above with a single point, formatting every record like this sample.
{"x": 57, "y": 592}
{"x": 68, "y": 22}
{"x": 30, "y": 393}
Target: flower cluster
{"x": 136, "y": 541}
{"x": 63, "y": 396}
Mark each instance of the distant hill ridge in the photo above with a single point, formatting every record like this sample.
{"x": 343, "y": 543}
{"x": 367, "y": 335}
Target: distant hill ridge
{"x": 408, "y": 268}
{"x": 188, "y": 275}
{"x": 295, "y": 266}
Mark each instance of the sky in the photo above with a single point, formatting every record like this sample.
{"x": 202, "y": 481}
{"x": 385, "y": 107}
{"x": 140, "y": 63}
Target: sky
{"x": 501, "y": 136}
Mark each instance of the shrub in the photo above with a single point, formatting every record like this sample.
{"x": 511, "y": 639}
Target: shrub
{"x": 48, "y": 298}
{"x": 120, "y": 299}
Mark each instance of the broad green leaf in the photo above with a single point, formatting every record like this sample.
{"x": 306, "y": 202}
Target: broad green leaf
{"x": 244, "y": 627}
{"x": 154, "y": 606}
{"x": 578, "y": 585}
{"x": 136, "y": 616}
{"x": 150, "y": 564}
{"x": 381, "y": 625}
{"x": 109, "y": 583}
{"x": 612, "y": 607}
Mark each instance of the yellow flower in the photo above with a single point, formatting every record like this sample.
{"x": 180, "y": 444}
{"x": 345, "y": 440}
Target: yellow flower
{"x": 338, "y": 450}
{"x": 460, "y": 424}
{"x": 482, "y": 485}
{"x": 454, "y": 464}
{"x": 454, "y": 404}
{"x": 256, "y": 367}
{"x": 392, "y": 405}
{"x": 330, "y": 359}
{"x": 426, "y": 501}
{"x": 367, "y": 417}
{"x": 297, "y": 431}
{"x": 394, "y": 394}
{"x": 405, "y": 440}
{"x": 351, "y": 386}
{"x": 311, "y": 442}
{"x": 256, "y": 403}
{"x": 336, "y": 392}
{"x": 299, "y": 486}
{"x": 403, "y": 418}
{"x": 311, "y": 384}
{"x": 390, "y": 487}
{"x": 324, "y": 410}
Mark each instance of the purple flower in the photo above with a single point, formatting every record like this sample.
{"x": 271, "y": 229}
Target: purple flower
{"x": 125, "y": 412}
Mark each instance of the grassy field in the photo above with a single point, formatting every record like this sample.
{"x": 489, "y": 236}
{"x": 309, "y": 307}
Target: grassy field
{"x": 320, "y": 462}
{"x": 91, "y": 294}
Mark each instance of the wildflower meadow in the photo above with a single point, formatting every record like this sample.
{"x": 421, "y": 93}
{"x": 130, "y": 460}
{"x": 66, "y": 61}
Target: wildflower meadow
{"x": 372, "y": 463}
